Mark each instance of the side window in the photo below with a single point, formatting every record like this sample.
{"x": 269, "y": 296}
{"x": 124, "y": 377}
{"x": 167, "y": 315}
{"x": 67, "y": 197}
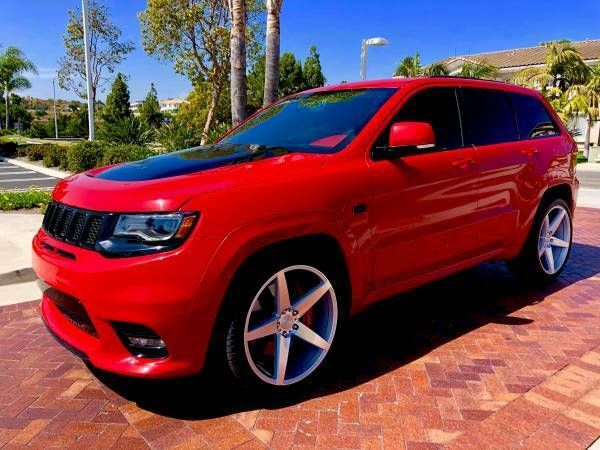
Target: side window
{"x": 533, "y": 119}
{"x": 439, "y": 108}
{"x": 489, "y": 117}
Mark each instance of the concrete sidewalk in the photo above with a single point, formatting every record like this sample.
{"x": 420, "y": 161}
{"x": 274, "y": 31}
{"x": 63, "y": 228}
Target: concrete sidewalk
{"x": 16, "y": 277}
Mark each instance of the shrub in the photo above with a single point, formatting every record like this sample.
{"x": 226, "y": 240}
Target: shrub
{"x": 177, "y": 136}
{"x": 84, "y": 156}
{"x": 8, "y": 149}
{"x": 55, "y": 156}
{"x": 33, "y": 198}
{"x": 125, "y": 153}
{"x": 5, "y": 132}
{"x": 130, "y": 130}
{"x": 35, "y": 152}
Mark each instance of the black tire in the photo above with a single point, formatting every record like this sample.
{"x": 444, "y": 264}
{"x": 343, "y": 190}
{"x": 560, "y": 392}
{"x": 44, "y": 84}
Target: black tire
{"x": 229, "y": 346}
{"x": 528, "y": 265}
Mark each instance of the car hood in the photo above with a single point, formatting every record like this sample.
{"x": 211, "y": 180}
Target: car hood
{"x": 166, "y": 182}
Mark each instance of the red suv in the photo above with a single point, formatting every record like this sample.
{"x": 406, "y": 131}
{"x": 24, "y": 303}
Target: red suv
{"x": 251, "y": 252}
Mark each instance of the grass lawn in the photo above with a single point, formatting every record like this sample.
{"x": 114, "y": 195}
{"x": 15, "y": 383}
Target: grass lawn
{"x": 26, "y": 140}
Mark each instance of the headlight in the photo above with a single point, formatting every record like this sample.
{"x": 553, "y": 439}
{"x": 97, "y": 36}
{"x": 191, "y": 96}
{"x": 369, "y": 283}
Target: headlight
{"x": 139, "y": 234}
{"x": 148, "y": 227}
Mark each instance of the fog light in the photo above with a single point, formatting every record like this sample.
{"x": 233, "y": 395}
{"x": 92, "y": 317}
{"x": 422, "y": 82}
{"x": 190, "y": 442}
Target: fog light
{"x": 140, "y": 340}
{"x": 145, "y": 342}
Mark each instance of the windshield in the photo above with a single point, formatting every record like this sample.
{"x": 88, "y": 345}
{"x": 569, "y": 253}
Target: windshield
{"x": 321, "y": 122}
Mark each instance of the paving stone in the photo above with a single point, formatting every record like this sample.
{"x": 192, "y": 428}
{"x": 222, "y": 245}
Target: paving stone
{"x": 479, "y": 360}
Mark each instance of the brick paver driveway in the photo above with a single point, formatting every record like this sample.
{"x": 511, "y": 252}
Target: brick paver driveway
{"x": 474, "y": 361}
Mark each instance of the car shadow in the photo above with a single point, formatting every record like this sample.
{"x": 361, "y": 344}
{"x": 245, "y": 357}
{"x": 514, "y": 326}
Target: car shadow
{"x": 381, "y": 339}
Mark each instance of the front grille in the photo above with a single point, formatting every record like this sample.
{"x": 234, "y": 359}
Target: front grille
{"x": 72, "y": 309}
{"x": 73, "y": 225}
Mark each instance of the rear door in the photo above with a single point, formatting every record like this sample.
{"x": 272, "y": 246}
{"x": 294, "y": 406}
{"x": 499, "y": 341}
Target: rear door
{"x": 424, "y": 203}
{"x": 491, "y": 127}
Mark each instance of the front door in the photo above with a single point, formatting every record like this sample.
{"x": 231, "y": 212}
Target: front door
{"x": 423, "y": 206}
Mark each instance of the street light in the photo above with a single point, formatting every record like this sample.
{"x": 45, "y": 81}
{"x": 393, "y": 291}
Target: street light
{"x": 88, "y": 73}
{"x": 366, "y": 43}
{"x": 55, "y": 119}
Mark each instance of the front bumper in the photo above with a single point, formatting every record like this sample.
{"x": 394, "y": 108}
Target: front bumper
{"x": 158, "y": 291}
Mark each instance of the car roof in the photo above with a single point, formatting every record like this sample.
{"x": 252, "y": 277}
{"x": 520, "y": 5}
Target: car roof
{"x": 402, "y": 82}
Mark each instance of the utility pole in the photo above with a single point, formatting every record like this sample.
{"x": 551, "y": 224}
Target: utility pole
{"x": 55, "y": 119}
{"x": 86, "y": 39}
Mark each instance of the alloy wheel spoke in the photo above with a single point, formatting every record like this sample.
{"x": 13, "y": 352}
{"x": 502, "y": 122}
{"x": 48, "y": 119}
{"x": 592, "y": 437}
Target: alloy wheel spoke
{"x": 557, "y": 221}
{"x": 556, "y": 242}
{"x": 550, "y": 259}
{"x": 546, "y": 225}
{"x": 282, "y": 351}
{"x": 308, "y": 335}
{"x": 282, "y": 294}
{"x": 541, "y": 247}
{"x": 263, "y": 329}
{"x": 308, "y": 300}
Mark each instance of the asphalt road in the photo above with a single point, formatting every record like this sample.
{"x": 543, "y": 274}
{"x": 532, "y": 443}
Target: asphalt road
{"x": 15, "y": 178}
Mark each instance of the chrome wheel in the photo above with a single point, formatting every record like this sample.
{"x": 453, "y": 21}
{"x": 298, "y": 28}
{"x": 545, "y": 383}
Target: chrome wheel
{"x": 554, "y": 240}
{"x": 290, "y": 325}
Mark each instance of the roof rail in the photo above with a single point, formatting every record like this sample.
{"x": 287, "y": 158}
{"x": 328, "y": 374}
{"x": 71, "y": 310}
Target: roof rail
{"x": 466, "y": 78}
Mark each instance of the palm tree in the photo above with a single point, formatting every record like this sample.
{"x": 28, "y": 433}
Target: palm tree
{"x": 272, "y": 51}
{"x": 563, "y": 67}
{"x": 436, "y": 69}
{"x": 239, "y": 90}
{"x": 13, "y": 65}
{"x": 482, "y": 70}
{"x": 409, "y": 67}
{"x": 584, "y": 99}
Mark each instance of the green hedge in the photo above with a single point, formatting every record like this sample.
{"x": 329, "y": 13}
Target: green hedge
{"x": 35, "y": 152}
{"x": 34, "y": 198}
{"x": 85, "y": 156}
{"x": 55, "y": 156}
{"x": 125, "y": 153}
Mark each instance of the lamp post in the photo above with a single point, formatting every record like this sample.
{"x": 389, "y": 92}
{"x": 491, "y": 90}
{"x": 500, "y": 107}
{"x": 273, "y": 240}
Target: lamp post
{"x": 55, "y": 118}
{"x": 366, "y": 43}
{"x": 86, "y": 40}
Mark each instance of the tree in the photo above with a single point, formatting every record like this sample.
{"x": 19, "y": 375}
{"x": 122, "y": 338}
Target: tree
{"x": 256, "y": 84}
{"x": 563, "y": 67}
{"x": 481, "y": 70}
{"x": 436, "y": 69}
{"x": 409, "y": 67}
{"x": 273, "y": 38}
{"x": 107, "y": 51}
{"x": 18, "y": 112}
{"x": 239, "y": 93}
{"x": 291, "y": 77}
{"x": 13, "y": 65}
{"x": 150, "y": 108}
{"x": 313, "y": 75}
{"x": 193, "y": 113}
{"x": 193, "y": 35}
{"x": 584, "y": 99}
{"x": 117, "y": 101}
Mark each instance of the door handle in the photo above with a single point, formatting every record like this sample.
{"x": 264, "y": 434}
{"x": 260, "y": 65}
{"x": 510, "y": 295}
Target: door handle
{"x": 463, "y": 163}
{"x": 529, "y": 151}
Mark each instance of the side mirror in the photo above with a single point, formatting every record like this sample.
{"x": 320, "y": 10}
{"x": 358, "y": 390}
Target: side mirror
{"x": 411, "y": 134}
{"x": 406, "y": 138}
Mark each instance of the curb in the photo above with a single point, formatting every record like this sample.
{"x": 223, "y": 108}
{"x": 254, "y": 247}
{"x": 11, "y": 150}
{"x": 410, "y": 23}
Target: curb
{"x": 43, "y": 170}
{"x": 17, "y": 276}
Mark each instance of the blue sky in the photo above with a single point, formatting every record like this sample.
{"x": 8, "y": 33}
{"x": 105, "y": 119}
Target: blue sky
{"x": 436, "y": 29}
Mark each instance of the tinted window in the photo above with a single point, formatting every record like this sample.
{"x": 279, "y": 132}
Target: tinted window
{"x": 489, "y": 117}
{"x": 533, "y": 119}
{"x": 439, "y": 108}
{"x": 321, "y": 122}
